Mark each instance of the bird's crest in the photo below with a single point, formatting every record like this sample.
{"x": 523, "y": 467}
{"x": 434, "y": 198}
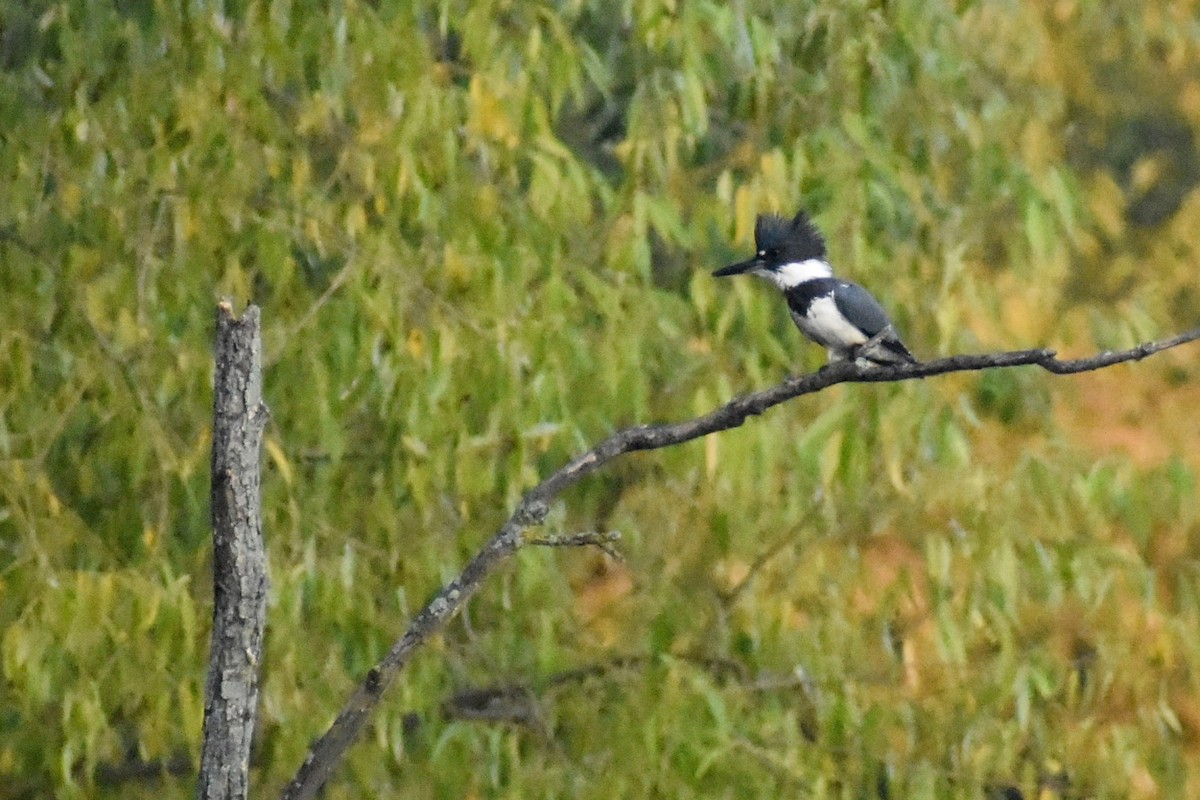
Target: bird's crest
{"x": 797, "y": 239}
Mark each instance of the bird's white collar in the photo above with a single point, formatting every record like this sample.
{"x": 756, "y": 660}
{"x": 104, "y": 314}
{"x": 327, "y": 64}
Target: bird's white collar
{"x": 796, "y": 272}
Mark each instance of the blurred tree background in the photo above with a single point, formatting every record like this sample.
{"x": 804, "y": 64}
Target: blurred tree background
{"x": 481, "y": 235}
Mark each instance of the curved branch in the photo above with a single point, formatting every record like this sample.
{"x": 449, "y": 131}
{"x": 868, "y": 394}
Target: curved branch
{"x": 327, "y": 752}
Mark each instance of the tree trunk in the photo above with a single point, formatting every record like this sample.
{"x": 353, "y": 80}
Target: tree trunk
{"x": 239, "y": 560}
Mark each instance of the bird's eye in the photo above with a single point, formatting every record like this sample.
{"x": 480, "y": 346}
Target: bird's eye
{"x": 762, "y": 253}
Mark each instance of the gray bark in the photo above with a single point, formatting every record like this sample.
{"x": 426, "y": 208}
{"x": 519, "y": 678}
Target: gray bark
{"x": 239, "y": 560}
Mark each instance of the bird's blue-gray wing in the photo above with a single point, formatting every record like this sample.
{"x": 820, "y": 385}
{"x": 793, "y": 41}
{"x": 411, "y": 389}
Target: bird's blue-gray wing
{"x": 857, "y": 305}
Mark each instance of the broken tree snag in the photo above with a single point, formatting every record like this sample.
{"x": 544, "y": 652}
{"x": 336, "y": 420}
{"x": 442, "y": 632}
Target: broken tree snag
{"x": 239, "y": 560}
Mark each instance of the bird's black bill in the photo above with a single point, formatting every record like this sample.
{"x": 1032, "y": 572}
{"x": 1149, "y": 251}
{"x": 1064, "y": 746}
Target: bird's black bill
{"x": 738, "y": 268}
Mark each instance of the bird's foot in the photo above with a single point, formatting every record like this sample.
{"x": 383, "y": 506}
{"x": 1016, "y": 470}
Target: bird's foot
{"x": 859, "y": 351}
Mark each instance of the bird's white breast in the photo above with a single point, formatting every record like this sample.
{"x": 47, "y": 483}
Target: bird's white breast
{"x": 825, "y": 324}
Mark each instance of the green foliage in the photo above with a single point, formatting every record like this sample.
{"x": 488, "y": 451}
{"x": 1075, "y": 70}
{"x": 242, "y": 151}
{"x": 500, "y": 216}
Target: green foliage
{"x": 481, "y": 236}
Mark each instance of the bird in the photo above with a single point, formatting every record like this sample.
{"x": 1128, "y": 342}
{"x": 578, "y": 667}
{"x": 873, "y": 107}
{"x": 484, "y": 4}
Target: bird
{"x": 839, "y": 315}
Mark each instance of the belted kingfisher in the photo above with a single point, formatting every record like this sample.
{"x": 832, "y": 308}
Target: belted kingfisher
{"x": 839, "y": 315}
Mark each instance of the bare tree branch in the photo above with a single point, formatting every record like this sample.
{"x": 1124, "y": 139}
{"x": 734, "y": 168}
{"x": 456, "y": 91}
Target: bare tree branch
{"x": 239, "y": 560}
{"x": 328, "y": 751}
{"x": 519, "y": 703}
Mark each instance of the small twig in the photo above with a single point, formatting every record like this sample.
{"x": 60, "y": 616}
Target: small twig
{"x": 720, "y": 668}
{"x": 730, "y": 596}
{"x": 599, "y": 539}
{"x": 292, "y": 334}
